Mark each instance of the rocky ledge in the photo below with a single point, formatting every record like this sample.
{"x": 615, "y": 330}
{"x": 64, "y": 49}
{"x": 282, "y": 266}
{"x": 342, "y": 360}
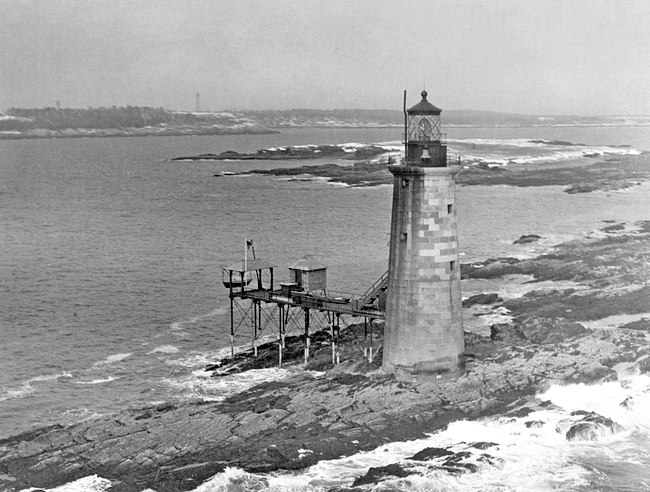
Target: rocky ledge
{"x": 312, "y": 416}
{"x": 610, "y": 173}
{"x": 299, "y": 152}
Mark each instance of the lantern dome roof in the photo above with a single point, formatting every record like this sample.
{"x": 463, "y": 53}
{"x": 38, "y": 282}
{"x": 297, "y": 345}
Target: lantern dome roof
{"x": 424, "y": 106}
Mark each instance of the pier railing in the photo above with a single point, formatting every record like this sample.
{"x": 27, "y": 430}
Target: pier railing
{"x": 336, "y": 302}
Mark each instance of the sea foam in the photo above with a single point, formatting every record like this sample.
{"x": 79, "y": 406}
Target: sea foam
{"x": 97, "y": 381}
{"x": 111, "y": 359}
{"x": 520, "y": 453}
{"x": 178, "y": 325}
{"x": 26, "y": 387}
{"x": 165, "y": 349}
{"x": 91, "y": 483}
{"x": 201, "y": 384}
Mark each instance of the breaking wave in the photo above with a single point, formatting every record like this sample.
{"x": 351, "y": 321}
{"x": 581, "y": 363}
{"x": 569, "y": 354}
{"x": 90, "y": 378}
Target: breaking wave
{"x": 535, "y": 447}
{"x": 178, "y": 325}
{"x": 27, "y": 387}
{"x": 111, "y": 359}
{"x": 519, "y": 151}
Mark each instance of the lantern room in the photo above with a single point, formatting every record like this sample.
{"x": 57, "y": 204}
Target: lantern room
{"x": 422, "y": 135}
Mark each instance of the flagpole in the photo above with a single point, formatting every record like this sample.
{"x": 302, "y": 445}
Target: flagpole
{"x": 245, "y": 257}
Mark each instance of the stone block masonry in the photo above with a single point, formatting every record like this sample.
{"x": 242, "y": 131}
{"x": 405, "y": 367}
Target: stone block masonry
{"x": 424, "y": 328}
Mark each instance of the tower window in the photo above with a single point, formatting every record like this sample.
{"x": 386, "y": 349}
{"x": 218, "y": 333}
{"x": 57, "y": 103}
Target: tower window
{"x": 403, "y": 236}
{"x": 450, "y": 208}
{"x": 452, "y": 264}
{"x": 405, "y": 183}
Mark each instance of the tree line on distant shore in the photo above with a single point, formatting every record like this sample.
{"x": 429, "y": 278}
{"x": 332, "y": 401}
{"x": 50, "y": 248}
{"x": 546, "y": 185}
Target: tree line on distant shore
{"x": 24, "y": 120}
{"x": 93, "y": 118}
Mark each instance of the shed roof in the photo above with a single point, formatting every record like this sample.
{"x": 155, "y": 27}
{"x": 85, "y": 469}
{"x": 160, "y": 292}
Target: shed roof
{"x": 424, "y": 106}
{"x": 308, "y": 264}
{"x": 250, "y": 266}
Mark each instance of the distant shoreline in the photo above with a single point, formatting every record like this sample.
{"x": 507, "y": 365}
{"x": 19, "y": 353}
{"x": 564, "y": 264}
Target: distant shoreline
{"x": 127, "y": 132}
{"x": 202, "y": 131}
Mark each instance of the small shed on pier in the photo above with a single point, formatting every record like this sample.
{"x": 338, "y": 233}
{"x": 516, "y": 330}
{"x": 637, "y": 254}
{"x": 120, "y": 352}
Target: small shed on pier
{"x": 309, "y": 274}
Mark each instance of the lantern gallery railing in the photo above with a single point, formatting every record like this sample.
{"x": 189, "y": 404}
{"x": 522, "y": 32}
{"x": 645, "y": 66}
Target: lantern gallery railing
{"x": 451, "y": 162}
{"x": 442, "y": 139}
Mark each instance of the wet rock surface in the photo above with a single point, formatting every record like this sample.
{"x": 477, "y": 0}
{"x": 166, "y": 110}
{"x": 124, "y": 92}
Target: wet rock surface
{"x": 528, "y": 238}
{"x": 300, "y": 152}
{"x": 360, "y": 174}
{"x": 307, "y": 417}
{"x": 482, "y": 299}
{"x": 592, "y": 427}
{"x": 467, "y": 459}
{"x": 606, "y": 174}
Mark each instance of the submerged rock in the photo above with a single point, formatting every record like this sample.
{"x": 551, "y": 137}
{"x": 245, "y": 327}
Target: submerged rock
{"x": 592, "y": 427}
{"x": 534, "y": 424}
{"x": 483, "y": 445}
{"x": 381, "y": 473}
{"x": 627, "y": 403}
{"x": 430, "y": 453}
{"x": 530, "y": 238}
{"x": 431, "y": 459}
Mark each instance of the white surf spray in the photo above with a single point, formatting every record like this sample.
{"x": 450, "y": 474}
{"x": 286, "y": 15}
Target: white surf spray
{"x": 201, "y": 384}
{"x": 165, "y": 349}
{"x": 112, "y": 359}
{"x": 91, "y": 483}
{"x": 97, "y": 381}
{"x": 520, "y": 151}
{"x": 178, "y": 325}
{"x": 27, "y": 387}
{"x": 520, "y": 453}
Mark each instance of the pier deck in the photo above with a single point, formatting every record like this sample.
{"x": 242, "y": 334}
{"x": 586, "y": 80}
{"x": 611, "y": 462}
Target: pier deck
{"x": 338, "y": 304}
{"x": 268, "y": 312}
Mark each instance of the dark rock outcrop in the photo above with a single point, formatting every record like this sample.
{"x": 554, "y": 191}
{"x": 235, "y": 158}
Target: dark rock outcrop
{"x": 381, "y": 473}
{"x": 445, "y": 460}
{"x": 482, "y": 299}
{"x": 550, "y": 331}
{"x": 530, "y": 238}
{"x": 611, "y": 174}
{"x": 430, "y": 453}
{"x": 302, "y": 152}
{"x": 534, "y": 424}
{"x": 505, "y": 332}
{"x": 592, "y": 427}
{"x": 482, "y": 445}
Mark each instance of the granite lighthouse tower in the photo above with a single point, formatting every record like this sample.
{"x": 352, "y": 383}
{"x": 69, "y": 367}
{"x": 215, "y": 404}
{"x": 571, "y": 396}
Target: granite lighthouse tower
{"x": 424, "y": 325}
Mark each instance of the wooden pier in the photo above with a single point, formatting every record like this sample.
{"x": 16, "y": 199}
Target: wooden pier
{"x": 300, "y": 307}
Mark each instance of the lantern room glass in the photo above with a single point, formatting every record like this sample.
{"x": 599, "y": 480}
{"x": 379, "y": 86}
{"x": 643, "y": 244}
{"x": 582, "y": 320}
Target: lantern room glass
{"x": 424, "y": 128}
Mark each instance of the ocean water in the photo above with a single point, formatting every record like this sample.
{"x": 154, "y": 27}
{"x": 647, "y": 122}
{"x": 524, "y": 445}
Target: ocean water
{"x": 111, "y": 255}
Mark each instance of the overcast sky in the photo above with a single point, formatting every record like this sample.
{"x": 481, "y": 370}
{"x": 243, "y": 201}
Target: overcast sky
{"x": 519, "y": 56}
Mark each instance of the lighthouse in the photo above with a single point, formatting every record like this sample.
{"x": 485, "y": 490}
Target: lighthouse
{"x": 424, "y": 326}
